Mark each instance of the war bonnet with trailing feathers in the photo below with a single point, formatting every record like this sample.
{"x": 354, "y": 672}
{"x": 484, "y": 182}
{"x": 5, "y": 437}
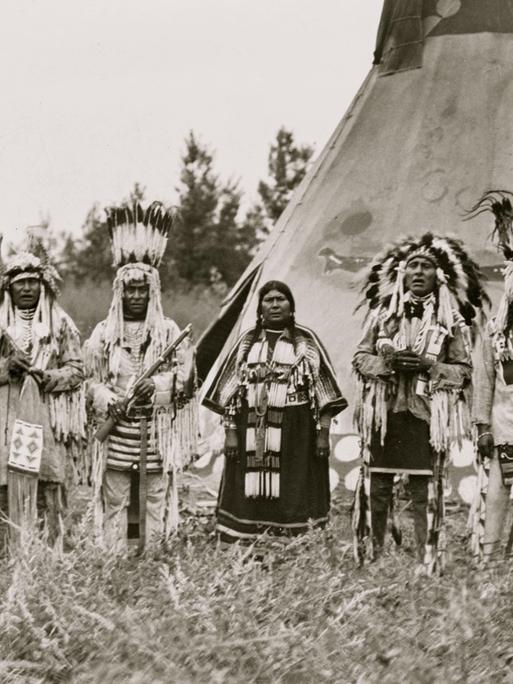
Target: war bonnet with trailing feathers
{"x": 458, "y": 277}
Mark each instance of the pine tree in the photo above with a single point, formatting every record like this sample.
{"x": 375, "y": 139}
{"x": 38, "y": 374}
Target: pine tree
{"x": 287, "y": 166}
{"x": 208, "y": 243}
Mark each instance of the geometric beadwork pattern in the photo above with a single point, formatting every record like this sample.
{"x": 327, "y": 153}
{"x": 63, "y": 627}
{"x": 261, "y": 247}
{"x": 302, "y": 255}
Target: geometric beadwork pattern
{"x": 26, "y": 447}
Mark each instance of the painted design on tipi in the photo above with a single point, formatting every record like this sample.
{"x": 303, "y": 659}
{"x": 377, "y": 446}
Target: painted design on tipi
{"x": 453, "y": 17}
{"x": 334, "y": 261}
{"x": 443, "y": 10}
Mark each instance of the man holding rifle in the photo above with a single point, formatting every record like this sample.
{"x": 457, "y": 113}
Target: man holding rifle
{"x": 141, "y": 382}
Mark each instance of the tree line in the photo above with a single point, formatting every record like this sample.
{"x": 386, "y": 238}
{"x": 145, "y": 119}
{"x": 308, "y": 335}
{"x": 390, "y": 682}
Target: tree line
{"x": 213, "y": 239}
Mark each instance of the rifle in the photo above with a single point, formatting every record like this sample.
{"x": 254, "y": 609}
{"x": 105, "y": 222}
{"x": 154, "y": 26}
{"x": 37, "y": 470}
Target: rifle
{"x": 105, "y": 429}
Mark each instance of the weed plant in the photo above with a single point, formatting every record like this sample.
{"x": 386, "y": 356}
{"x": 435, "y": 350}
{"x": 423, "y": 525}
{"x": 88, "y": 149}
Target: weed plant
{"x": 296, "y": 611}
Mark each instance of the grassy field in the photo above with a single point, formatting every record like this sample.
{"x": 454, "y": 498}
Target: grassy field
{"x": 196, "y": 613}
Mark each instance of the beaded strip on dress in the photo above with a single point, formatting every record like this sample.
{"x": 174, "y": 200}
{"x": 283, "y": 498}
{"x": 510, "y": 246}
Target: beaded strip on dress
{"x": 266, "y": 384}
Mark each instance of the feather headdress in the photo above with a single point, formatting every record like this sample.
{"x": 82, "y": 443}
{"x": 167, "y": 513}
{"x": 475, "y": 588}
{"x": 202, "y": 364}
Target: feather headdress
{"x": 459, "y": 279}
{"x": 31, "y": 258}
{"x": 138, "y": 241}
{"x": 498, "y": 203}
{"x": 139, "y": 235}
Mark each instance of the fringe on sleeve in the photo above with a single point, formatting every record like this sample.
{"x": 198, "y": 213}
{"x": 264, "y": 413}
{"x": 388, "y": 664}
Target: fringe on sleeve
{"x": 371, "y": 406}
{"x": 450, "y": 420}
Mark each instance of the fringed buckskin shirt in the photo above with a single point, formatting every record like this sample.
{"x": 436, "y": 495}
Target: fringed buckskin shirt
{"x": 59, "y": 355}
{"x": 433, "y": 396}
{"x": 103, "y": 388}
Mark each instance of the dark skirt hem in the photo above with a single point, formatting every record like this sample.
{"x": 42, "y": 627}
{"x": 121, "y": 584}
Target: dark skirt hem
{"x": 233, "y": 529}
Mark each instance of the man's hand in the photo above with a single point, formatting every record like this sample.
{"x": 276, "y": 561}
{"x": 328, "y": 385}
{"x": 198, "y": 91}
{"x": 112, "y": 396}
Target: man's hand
{"x": 144, "y": 390}
{"x": 18, "y": 364}
{"x": 47, "y": 382}
{"x": 117, "y": 410}
{"x": 231, "y": 443}
{"x": 323, "y": 443}
{"x": 485, "y": 443}
{"x": 410, "y": 362}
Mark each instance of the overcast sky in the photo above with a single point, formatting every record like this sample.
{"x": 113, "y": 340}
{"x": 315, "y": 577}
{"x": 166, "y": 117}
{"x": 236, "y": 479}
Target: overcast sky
{"x": 98, "y": 94}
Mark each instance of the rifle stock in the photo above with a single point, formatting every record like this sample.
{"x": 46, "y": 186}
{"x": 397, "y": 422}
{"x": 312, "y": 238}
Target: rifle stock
{"x": 106, "y": 427}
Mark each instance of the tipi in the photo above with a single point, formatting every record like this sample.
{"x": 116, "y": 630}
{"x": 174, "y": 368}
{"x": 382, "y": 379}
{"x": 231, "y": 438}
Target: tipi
{"x": 429, "y": 131}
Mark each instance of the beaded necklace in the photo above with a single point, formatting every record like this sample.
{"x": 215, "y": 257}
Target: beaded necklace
{"x": 24, "y": 318}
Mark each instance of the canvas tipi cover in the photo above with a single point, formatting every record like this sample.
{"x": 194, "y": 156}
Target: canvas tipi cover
{"x": 429, "y": 131}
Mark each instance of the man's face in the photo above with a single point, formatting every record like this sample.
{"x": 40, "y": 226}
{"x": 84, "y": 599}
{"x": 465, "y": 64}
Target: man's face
{"x": 25, "y": 293}
{"x": 420, "y": 276}
{"x": 135, "y": 299}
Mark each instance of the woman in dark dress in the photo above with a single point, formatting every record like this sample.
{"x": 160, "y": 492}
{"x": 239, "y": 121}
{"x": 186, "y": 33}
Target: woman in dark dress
{"x": 277, "y": 393}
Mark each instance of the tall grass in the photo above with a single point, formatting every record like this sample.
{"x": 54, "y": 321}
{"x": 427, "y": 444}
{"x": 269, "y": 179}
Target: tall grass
{"x": 195, "y": 613}
{"x": 88, "y": 303}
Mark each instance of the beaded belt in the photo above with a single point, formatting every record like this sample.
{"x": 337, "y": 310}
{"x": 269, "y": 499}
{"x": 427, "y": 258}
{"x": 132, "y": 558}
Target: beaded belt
{"x": 297, "y": 398}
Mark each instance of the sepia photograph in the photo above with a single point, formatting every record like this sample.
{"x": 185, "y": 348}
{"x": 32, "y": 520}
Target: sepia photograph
{"x": 256, "y": 341}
